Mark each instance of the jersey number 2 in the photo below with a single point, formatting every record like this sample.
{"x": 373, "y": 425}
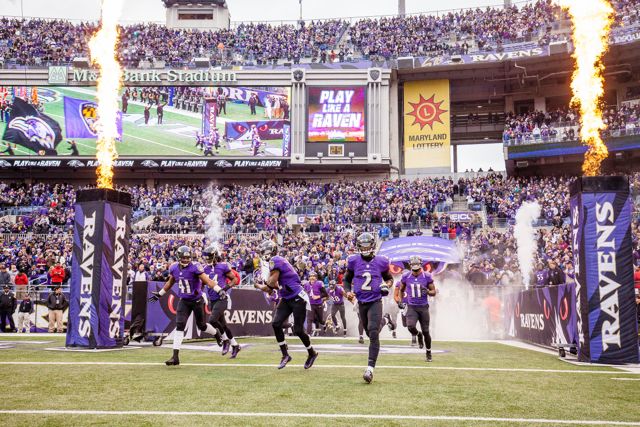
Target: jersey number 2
{"x": 185, "y": 286}
{"x": 366, "y": 286}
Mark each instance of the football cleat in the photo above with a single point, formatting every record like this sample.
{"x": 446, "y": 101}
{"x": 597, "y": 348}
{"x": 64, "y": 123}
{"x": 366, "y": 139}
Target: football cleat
{"x": 360, "y": 340}
{"x": 283, "y": 362}
{"x": 226, "y": 345}
{"x": 393, "y": 334}
{"x": 413, "y": 341}
{"x": 345, "y": 333}
{"x": 218, "y": 339}
{"x": 310, "y": 359}
{"x": 234, "y": 351}
{"x": 368, "y": 376}
{"x": 173, "y": 361}
{"x": 429, "y": 358}
{"x": 420, "y": 340}
{"x": 390, "y": 323}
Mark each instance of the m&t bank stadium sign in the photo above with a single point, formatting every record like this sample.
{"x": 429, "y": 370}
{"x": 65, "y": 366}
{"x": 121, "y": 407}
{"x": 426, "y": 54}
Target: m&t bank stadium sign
{"x": 161, "y": 76}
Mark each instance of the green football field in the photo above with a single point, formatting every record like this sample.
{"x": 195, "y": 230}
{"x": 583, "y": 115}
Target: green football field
{"x": 175, "y": 137}
{"x": 470, "y": 384}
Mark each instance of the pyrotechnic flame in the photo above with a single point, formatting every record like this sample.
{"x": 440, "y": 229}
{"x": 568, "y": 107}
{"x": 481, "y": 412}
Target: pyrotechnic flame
{"x": 592, "y": 21}
{"x": 103, "y": 54}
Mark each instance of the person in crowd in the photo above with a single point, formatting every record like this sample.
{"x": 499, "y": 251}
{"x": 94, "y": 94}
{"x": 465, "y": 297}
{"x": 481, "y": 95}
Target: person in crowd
{"x": 57, "y": 275}
{"x": 25, "y": 310}
{"x": 7, "y": 308}
{"x": 56, "y": 303}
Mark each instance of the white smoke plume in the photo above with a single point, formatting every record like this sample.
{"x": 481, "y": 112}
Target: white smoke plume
{"x": 457, "y": 313}
{"x": 213, "y": 221}
{"x": 526, "y": 238}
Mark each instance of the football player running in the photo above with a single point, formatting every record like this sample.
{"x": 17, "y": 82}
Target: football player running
{"x": 293, "y": 299}
{"x": 189, "y": 276}
{"x": 419, "y": 286}
{"x": 368, "y": 279}
{"x": 216, "y": 268}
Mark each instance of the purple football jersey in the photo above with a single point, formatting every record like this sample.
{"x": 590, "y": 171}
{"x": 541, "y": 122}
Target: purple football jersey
{"x": 542, "y": 278}
{"x": 189, "y": 284}
{"x": 416, "y": 287}
{"x": 337, "y": 295}
{"x": 367, "y": 276}
{"x": 219, "y": 271}
{"x": 289, "y": 280}
{"x": 315, "y": 290}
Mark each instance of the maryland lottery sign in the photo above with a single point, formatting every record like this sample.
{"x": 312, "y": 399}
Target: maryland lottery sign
{"x": 427, "y": 127}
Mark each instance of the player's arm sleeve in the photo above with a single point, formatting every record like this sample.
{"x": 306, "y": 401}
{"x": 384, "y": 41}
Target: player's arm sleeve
{"x": 387, "y": 277}
{"x": 324, "y": 293}
{"x": 207, "y": 281}
{"x": 272, "y": 281}
{"x": 347, "y": 279}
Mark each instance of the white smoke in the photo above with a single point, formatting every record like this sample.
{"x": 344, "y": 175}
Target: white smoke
{"x": 457, "y": 313}
{"x": 213, "y": 221}
{"x": 526, "y": 238}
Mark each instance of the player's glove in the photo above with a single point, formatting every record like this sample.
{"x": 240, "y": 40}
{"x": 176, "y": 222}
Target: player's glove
{"x": 155, "y": 296}
{"x": 401, "y": 305}
{"x": 384, "y": 290}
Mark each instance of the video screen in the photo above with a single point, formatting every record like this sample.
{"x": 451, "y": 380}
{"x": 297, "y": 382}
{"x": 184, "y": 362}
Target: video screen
{"x": 336, "y": 114}
{"x": 153, "y": 121}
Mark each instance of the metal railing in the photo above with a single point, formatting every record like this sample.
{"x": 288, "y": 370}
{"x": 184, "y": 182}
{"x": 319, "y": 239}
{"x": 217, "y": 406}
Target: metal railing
{"x": 530, "y": 139}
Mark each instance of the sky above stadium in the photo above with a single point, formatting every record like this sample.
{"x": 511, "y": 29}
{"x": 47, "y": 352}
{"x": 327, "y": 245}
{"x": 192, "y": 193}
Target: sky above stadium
{"x": 241, "y": 10}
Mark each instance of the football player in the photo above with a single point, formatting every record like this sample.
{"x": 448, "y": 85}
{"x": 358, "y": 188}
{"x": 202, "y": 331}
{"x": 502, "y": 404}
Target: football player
{"x": 368, "y": 279}
{"x": 293, "y": 299}
{"x": 215, "y": 267}
{"x": 336, "y": 293}
{"x": 419, "y": 286}
{"x": 318, "y": 295}
{"x": 401, "y": 299}
{"x": 189, "y": 276}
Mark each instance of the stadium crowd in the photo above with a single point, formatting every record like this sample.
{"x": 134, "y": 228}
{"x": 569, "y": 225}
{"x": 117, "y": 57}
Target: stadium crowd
{"x": 563, "y": 124}
{"x": 41, "y": 42}
{"x": 251, "y": 213}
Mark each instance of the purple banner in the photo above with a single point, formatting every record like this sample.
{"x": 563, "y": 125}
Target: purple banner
{"x": 209, "y": 115}
{"x": 267, "y": 129}
{"x": 608, "y": 321}
{"x": 545, "y": 316}
{"x": 427, "y": 247}
{"x": 248, "y": 314}
{"x": 483, "y": 57}
{"x": 286, "y": 140}
{"x": 80, "y": 117}
{"x": 99, "y": 274}
{"x": 82, "y": 327}
{"x": 243, "y": 94}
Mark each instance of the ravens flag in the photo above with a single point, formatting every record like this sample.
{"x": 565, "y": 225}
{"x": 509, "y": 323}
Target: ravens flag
{"x": 32, "y": 129}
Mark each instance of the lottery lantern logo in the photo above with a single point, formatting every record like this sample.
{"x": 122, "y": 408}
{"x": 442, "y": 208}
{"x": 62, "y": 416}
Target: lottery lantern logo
{"x": 427, "y": 112}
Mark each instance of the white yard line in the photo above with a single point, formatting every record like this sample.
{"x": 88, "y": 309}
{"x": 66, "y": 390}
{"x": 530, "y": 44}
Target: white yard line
{"x": 626, "y": 379}
{"x": 268, "y": 365}
{"x": 318, "y": 415}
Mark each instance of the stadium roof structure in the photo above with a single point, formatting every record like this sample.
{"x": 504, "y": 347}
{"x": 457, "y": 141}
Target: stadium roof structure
{"x": 171, "y": 3}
